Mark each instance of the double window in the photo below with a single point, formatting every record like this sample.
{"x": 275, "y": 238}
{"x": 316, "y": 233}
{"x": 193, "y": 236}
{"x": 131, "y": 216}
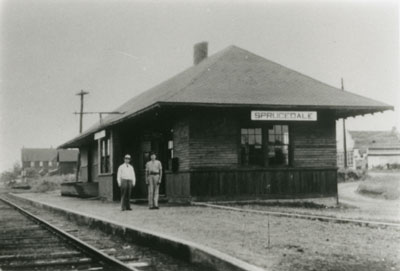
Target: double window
{"x": 278, "y": 145}
{"x": 105, "y": 150}
{"x": 267, "y": 146}
{"x": 252, "y": 146}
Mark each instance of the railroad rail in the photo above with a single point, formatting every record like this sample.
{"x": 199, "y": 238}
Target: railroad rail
{"x": 322, "y": 218}
{"x": 27, "y": 242}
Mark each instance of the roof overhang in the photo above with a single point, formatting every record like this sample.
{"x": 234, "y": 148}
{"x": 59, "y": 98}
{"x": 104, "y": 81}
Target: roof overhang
{"x": 339, "y": 112}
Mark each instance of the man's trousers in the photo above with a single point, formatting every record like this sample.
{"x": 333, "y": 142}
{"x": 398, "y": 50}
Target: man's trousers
{"x": 153, "y": 190}
{"x": 126, "y": 188}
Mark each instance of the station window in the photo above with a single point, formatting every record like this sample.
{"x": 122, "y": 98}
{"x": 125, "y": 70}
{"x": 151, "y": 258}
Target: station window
{"x": 41, "y": 163}
{"x": 32, "y": 164}
{"x": 105, "y": 150}
{"x": 50, "y": 163}
{"x": 251, "y": 146}
{"x": 267, "y": 146}
{"x": 278, "y": 145}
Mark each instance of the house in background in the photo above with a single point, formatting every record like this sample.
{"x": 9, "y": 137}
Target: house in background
{"x": 42, "y": 160}
{"x": 49, "y": 160}
{"x": 375, "y": 148}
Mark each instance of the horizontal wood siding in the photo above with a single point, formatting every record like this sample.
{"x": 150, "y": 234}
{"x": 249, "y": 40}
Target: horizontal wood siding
{"x": 314, "y": 143}
{"x": 263, "y": 183}
{"x": 213, "y": 141}
{"x": 181, "y": 143}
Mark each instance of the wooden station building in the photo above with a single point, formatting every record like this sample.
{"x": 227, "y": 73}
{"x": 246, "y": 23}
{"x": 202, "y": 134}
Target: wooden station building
{"x": 233, "y": 126}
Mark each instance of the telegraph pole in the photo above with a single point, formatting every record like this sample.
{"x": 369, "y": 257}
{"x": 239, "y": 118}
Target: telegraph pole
{"x": 82, "y": 94}
{"x": 344, "y": 137}
{"x": 78, "y": 162}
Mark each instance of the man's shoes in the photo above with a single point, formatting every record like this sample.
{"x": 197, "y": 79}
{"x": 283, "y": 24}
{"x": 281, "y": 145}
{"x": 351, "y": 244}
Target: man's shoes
{"x": 129, "y": 209}
{"x": 156, "y": 207}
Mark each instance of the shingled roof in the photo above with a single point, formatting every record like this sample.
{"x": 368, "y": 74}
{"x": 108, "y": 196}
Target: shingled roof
{"x": 38, "y": 154}
{"x": 236, "y": 77}
{"x": 364, "y": 140}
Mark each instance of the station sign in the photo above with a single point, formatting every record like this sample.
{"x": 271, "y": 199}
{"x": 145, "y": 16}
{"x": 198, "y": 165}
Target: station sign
{"x": 100, "y": 134}
{"x": 284, "y": 115}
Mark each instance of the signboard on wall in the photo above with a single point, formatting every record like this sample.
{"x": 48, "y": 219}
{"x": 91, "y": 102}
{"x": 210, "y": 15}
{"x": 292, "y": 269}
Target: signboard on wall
{"x": 284, "y": 115}
{"x": 100, "y": 134}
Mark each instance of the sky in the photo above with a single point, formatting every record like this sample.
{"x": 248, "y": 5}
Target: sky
{"x": 50, "y": 50}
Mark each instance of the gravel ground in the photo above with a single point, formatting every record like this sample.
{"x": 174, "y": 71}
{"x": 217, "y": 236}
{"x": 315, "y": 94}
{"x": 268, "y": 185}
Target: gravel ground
{"x": 295, "y": 244}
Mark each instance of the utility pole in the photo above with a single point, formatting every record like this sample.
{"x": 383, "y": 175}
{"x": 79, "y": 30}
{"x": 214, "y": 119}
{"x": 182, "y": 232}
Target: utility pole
{"x": 78, "y": 162}
{"x": 344, "y": 137}
{"x": 81, "y": 93}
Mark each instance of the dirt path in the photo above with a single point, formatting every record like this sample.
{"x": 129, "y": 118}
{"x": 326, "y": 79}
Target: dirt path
{"x": 381, "y": 209}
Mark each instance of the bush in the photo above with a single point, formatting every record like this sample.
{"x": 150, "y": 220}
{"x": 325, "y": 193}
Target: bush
{"x": 50, "y": 183}
{"x": 9, "y": 177}
{"x": 393, "y": 166}
{"x": 386, "y": 187}
{"x": 350, "y": 175}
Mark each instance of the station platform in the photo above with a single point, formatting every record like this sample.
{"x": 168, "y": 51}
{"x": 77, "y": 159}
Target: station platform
{"x": 170, "y": 229}
{"x": 251, "y": 240}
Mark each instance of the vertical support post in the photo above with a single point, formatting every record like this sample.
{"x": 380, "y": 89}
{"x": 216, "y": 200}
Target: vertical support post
{"x": 344, "y": 137}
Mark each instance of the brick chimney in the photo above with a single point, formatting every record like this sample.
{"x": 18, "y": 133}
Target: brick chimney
{"x": 200, "y": 52}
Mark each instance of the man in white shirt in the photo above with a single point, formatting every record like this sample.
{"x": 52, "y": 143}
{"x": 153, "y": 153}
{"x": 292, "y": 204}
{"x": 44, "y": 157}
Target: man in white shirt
{"x": 126, "y": 180}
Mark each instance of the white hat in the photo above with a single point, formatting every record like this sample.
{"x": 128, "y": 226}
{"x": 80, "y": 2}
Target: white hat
{"x": 127, "y": 156}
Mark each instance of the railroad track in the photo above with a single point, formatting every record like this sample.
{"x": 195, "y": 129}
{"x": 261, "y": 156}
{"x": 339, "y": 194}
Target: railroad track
{"x": 29, "y": 243}
{"x": 323, "y": 218}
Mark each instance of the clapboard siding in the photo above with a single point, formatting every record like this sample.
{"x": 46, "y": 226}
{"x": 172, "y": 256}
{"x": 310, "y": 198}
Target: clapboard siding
{"x": 181, "y": 143}
{"x": 314, "y": 144}
{"x": 213, "y": 140}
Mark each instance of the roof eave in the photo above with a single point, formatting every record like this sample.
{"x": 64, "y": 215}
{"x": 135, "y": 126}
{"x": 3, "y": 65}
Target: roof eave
{"x": 84, "y": 137}
{"x": 341, "y": 111}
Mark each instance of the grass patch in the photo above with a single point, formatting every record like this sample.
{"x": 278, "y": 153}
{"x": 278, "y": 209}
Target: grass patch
{"x": 385, "y": 187}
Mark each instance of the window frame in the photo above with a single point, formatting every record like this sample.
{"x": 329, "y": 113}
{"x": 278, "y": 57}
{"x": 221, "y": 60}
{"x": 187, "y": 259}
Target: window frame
{"x": 106, "y": 158}
{"x": 289, "y": 144}
{"x": 265, "y": 143}
{"x": 262, "y": 149}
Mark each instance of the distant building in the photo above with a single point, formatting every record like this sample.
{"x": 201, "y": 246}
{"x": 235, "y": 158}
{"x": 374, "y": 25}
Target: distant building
{"x": 49, "y": 160}
{"x": 43, "y": 160}
{"x": 375, "y": 148}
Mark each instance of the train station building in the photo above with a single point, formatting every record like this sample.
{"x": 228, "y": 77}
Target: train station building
{"x": 232, "y": 126}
